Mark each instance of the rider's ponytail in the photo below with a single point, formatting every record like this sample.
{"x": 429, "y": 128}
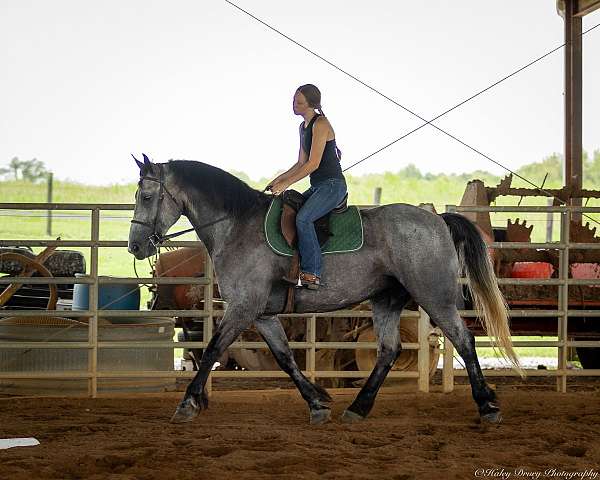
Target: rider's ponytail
{"x": 337, "y": 150}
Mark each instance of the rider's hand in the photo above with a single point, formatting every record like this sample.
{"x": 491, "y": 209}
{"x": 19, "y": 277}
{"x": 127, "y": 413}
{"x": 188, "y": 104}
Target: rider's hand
{"x": 277, "y": 187}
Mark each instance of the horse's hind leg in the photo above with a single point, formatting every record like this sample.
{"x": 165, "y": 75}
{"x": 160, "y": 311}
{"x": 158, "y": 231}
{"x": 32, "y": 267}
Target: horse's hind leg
{"x": 317, "y": 398}
{"x": 454, "y": 328}
{"x": 386, "y": 318}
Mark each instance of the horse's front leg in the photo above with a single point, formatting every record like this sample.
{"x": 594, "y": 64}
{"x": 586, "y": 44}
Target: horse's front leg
{"x": 317, "y": 398}
{"x": 235, "y": 320}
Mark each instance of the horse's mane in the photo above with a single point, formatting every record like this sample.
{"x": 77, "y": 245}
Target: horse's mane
{"x": 235, "y": 196}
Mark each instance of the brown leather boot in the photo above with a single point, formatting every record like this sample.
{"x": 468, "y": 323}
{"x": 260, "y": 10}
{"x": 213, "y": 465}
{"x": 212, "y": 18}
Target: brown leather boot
{"x": 310, "y": 281}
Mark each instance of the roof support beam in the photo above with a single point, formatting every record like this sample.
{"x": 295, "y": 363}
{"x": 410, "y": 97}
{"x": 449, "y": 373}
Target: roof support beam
{"x": 581, "y": 8}
{"x": 584, "y": 7}
{"x": 573, "y": 99}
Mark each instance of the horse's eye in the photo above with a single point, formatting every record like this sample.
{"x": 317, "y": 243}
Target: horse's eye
{"x": 146, "y": 197}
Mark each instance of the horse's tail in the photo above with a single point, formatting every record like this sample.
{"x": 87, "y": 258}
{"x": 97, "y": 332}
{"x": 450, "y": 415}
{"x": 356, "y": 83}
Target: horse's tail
{"x": 482, "y": 283}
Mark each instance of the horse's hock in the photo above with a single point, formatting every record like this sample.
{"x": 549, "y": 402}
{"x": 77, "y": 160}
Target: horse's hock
{"x": 408, "y": 360}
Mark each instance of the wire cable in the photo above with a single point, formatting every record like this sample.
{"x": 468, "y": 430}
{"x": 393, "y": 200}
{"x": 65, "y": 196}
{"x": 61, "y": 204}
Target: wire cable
{"x": 489, "y": 87}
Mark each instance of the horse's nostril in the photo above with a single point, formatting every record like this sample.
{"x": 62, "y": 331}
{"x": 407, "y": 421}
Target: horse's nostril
{"x": 134, "y": 248}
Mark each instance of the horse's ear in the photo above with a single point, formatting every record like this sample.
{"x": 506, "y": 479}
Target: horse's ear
{"x": 147, "y": 161}
{"x": 139, "y": 164}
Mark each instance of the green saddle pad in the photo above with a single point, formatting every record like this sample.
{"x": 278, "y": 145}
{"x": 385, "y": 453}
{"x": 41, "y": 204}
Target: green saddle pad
{"x": 346, "y": 231}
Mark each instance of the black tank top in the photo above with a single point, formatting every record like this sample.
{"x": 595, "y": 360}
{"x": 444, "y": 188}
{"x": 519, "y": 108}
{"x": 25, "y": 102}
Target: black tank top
{"x": 330, "y": 161}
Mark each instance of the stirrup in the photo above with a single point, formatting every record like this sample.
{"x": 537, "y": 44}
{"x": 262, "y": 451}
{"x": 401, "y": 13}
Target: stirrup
{"x": 292, "y": 281}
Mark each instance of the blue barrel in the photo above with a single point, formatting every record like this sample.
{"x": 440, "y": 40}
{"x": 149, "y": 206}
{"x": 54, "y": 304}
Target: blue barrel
{"x": 110, "y": 297}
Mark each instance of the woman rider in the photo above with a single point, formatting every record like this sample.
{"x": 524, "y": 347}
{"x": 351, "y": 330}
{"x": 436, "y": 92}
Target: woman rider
{"x": 319, "y": 157}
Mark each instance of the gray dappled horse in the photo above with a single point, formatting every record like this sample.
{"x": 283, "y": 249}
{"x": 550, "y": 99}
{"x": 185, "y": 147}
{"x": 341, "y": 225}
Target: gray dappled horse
{"x": 408, "y": 253}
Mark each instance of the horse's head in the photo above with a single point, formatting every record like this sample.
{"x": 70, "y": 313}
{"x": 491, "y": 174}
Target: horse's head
{"x": 156, "y": 209}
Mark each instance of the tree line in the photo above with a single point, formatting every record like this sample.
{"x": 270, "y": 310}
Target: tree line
{"x": 30, "y": 170}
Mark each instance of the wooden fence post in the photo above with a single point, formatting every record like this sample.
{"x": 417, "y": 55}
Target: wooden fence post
{"x": 549, "y": 221}
{"x": 377, "y": 196}
{"x": 49, "y": 200}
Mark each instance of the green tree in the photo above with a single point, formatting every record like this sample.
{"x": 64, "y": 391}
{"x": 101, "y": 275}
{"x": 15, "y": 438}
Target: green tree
{"x": 30, "y": 170}
{"x": 411, "y": 171}
{"x": 15, "y": 166}
{"x": 33, "y": 170}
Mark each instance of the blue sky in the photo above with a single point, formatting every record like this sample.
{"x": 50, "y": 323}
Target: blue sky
{"x": 86, "y": 83}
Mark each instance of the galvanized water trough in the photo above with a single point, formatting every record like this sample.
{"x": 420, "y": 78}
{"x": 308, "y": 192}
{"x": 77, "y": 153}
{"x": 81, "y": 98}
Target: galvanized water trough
{"x": 59, "y": 329}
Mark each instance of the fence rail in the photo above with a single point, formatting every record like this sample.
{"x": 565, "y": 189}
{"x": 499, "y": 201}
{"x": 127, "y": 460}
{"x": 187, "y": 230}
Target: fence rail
{"x": 311, "y": 345}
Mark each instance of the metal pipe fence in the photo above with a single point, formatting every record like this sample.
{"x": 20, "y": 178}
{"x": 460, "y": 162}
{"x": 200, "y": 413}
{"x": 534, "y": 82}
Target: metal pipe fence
{"x": 563, "y": 282}
{"x": 311, "y": 345}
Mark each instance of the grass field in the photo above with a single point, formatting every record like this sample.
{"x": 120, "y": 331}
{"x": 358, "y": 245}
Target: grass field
{"x": 546, "y": 352}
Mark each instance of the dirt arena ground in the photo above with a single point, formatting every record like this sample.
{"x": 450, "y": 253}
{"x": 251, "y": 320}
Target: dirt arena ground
{"x": 259, "y": 435}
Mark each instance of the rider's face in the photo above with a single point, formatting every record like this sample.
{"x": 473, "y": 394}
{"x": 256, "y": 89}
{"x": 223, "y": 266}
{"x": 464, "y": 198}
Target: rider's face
{"x": 300, "y": 104}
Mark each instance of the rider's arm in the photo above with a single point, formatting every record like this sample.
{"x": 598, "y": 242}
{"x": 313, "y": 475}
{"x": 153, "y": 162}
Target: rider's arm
{"x": 319, "y": 138}
{"x": 302, "y": 158}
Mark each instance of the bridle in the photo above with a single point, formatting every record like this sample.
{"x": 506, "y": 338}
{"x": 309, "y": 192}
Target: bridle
{"x": 155, "y": 239}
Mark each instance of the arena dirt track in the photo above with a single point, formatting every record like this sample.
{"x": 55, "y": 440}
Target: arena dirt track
{"x": 249, "y": 435}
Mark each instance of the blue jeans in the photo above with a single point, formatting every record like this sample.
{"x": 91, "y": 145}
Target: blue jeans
{"x": 321, "y": 199}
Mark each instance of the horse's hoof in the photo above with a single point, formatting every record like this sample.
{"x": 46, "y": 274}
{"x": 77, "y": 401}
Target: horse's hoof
{"x": 491, "y": 414}
{"x": 493, "y": 418}
{"x": 320, "y": 416}
{"x": 350, "y": 417}
{"x": 187, "y": 410}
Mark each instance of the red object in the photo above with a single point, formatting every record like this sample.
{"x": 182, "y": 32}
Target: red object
{"x": 531, "y": 270}
{"x": 585, "y": 270}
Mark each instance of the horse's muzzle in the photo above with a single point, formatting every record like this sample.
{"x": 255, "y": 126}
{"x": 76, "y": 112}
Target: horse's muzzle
{"x": 140, "y": 251}
{"x": 134, "y": 248}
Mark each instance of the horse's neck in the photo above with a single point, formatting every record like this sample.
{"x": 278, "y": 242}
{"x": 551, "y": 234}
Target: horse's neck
{"x": 201, "y": 210}
{"x": 201, "y": 215}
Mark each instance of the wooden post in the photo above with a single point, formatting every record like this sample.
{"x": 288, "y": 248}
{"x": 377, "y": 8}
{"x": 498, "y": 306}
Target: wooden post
{"x": 423, "y": 355}
{"x": 549, "y": 222}
{"x": 311, "y": 351}
{"x": 377, "y": 196}
{"x": 49, "y": 200}
{"x": 93, "y": 307}
{"x": 573, "y": 101}
{"x": 448, "y": 369}
{"x": 207, "y": 323}
{"x": 563, "y": 302}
